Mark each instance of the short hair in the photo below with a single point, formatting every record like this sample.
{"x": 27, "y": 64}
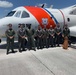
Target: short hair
{"x": 27, "y": 25}
{"x": 19, "y": 25}
{"x": 10, "y": 25}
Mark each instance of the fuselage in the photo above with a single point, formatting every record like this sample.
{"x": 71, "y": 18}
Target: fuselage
{"x": 37, "y": 16}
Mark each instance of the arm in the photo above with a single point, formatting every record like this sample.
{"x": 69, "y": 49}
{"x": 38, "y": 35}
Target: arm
{"x": 6, "y": 33}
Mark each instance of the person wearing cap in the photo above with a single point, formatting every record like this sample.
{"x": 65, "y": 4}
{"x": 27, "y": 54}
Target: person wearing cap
{"x": 52, "y": 36}
{"x": 21, "y": 38}
{"x": 30, "y": 36}
{"x": 58, "y": 34}
{"x": 10, "y": 34}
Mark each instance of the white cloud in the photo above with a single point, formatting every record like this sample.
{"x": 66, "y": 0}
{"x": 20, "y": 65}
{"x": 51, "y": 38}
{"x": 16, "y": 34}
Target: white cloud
{"x": 5, "y": 4}
{"x": 45, "y": 5}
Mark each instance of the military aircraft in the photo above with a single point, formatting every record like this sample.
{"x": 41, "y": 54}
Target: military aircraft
{"x": 40, "y": 16}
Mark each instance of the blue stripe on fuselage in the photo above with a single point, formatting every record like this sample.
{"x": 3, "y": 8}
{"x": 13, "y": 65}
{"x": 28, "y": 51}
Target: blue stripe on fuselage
{"x": 52, "y": 16}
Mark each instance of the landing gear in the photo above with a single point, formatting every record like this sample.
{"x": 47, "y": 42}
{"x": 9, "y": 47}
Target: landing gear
{"x": 0, "y": 40}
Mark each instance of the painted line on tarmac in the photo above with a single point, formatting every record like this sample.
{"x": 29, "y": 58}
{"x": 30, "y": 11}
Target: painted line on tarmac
{"x": 42, "y": 63}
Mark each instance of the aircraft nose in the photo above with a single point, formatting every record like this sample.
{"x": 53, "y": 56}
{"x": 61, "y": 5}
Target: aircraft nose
{"x": 0, "y": 30}
{"x": 0, "y": 24}
{"x": 3, "y": 27}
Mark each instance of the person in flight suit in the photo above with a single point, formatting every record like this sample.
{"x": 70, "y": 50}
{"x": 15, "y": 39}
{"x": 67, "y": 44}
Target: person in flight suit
{"x": 10, "y": 33}
{"x": 65, "y": 35}
{"x": 52, "y": 36}
{"x": 18, "y": 30}
{"x": 30, "y": 36}
{"x": 58, "y": 34}
{"x": 38, "y": 34}
{"x": 66, "y": 31}
{"x": 21, "y": 38}
{"x": 45, "y": 37}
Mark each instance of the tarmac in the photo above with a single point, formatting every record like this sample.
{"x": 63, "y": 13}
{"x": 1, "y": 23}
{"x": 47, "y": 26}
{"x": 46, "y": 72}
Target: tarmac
{"x": 47, "y": 61}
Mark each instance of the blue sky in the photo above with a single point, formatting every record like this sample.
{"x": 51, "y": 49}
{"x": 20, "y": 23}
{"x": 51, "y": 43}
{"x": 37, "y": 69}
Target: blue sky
{"x": 7, "y": 5}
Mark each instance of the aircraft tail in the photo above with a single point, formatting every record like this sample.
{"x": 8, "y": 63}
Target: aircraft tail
{"x": 70, "y": 9}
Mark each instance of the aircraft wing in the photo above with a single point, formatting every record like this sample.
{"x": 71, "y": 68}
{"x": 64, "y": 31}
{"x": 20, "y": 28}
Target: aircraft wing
{"x": 73, "y": 31}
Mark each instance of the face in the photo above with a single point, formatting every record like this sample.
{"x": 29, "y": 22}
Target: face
{"x": 10, "y": 26}
{"x": 66, "y": 26}
{"x": 39, "y": 27}
{"x": 50, "y": 26}
{"x": 21, "y": 26}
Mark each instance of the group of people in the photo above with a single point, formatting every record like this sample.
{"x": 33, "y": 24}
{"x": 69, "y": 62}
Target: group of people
{"x": 40, "y": 38}
{"x": 23, "y": 34}
{"x": 51, "y": 37}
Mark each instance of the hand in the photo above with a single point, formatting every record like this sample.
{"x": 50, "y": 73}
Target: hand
{"x": 23, "y": 36}
{"x": 62, "y": 35}
{"x": 40, "y": 36}
{"x": 58, "y": 33}
{"x": 11, "y": 37}
{"x": 52, "y": 35}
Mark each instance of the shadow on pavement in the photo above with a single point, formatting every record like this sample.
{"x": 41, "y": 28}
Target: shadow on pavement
{"x": 3, "y": 46}
{"x": 72, "y": 46}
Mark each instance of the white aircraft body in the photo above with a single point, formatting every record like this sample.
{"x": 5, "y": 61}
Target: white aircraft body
{"x": 40, "y": 16}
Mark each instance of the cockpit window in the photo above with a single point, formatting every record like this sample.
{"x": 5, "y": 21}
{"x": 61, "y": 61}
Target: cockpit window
{"x": 73, "y": 12}
{"x": 10, "y": 13}
{"x": 18, "y": 14}
{"x": 25, "y": 14}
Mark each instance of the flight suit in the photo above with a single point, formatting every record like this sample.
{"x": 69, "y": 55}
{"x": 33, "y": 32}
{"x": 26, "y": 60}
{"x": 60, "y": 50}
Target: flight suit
{"x": 45, "y": 37}
{"x": 39, "y": 38}
{"x": 58, "y": 35}
{"x": 30, "y": 36}
{"x": 66, "y": 34}
{"x": 52, "y": 37}
{"x": 10, "y": 39}
{"x": 21, "y": 39}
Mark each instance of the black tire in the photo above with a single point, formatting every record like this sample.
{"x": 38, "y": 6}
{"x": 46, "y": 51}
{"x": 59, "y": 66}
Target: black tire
{"x": 0, "y": 40}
